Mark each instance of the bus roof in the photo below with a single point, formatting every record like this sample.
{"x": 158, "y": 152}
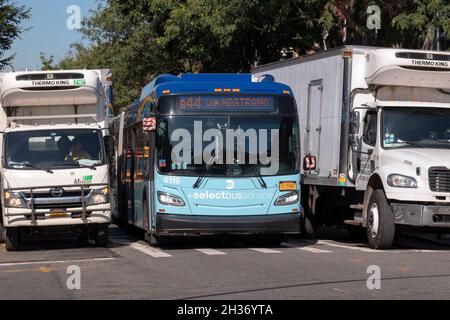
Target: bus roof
{"x": 212, "y": 83}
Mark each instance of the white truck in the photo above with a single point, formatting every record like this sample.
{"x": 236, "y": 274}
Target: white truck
{"x": 55, "y": 154}
{"x": 376, "y": 138}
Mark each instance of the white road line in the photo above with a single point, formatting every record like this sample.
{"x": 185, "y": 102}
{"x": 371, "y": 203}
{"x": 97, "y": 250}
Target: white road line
{"x": 211, "y": 252}
{"x": 54, "y": 262}
{"x": 314, "y": 250}
{"x": 263, "y": 250}
{"x": 343, "y": 246}
{"x": 150, "y": 251}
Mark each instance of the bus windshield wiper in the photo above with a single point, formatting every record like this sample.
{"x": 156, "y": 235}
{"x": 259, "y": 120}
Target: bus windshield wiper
{"x": 200, "y": 179}
{"x": 27, "y": 164}
{"x": 259, "y": 177}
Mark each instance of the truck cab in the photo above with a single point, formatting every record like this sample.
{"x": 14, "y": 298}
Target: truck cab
{"x": 55, "y": 154}
{"x": 400, "y": 144}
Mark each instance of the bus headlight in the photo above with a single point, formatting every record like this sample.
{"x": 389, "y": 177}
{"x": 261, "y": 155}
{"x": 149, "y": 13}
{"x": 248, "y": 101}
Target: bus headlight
{"x": 14, "y": 200}
{"x": 288, "y": 199}
{"x": 400, "y": 181}
{"x": 170, "y": 200}
{"x": 100, "y": 196}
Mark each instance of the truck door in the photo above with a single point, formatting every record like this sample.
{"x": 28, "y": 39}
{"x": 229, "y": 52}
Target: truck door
{"x": 314, "y": 121}
{"x": 365, "y": 164}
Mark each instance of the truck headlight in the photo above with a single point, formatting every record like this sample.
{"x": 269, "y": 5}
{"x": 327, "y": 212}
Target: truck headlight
{"x": 170, "y": 200}
{"x": 14, "y": 200}
{"x": 288, "y": 199}
{"x": 400, "y": 181}
{"x": 100, "y": 196}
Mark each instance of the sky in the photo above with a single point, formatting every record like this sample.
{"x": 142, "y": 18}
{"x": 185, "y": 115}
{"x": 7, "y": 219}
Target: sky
{"x": 49, "y": 32}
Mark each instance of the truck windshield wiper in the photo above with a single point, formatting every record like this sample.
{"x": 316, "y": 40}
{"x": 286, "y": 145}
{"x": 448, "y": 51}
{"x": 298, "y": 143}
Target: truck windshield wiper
{"x": 259, "y": 177}
{"x": 27, "y": 164}
{"x": 414, "y": 144}
{"x": 76, "y": 163}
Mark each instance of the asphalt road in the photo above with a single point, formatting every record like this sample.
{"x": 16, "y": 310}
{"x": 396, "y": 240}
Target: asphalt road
{"x": 332, "y": 267}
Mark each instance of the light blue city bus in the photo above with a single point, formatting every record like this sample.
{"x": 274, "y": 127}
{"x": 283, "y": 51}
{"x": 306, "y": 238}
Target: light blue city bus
{"x": 210, "y": 154}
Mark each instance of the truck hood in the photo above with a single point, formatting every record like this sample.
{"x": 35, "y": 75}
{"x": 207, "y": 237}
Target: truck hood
{"x": 37, "y": 178}
{"x": 418, "y": 157}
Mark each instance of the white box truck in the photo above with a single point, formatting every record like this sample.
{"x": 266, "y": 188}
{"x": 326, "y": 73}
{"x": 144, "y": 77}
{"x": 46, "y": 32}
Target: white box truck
{"x": 376, "y": 138}
{"x": 55, "y": 154}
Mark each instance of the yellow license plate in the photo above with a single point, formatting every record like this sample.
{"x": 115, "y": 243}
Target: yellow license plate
{"x": 58, "y": 214}
{"x": 288, "y": 186}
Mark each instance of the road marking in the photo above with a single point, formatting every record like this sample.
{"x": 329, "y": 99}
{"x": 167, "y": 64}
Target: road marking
{"x": 314, "y": 250}
{"x": 343, "y": 246}
{"x": 53, "y": 262}
{"x": 211, "y": 252}
{"x": 150, "y": 251}
{"x": 263, "y": 250}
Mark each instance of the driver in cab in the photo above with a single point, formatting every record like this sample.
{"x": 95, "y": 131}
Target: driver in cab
{"x": 77, "y": 152}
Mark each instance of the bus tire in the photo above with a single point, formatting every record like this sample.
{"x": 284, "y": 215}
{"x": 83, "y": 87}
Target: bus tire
{"x": 307, "y": 226}
{"x": 2, "y": 233}
{"x": 157, "y": 241}
{"x": 380, "y": 222}
{"x": 101, "y": 236}
{"x": 12, "y": 239}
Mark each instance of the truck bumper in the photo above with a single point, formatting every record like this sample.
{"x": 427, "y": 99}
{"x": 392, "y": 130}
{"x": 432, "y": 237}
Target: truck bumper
{"x": 178, "y": 224}
{"x": 18, "y": 218}
{"x": 422, "y": 215}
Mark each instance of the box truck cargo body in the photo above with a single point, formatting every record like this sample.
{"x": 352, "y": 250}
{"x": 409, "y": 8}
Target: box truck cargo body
{"x": 55, "y": 154}
{"x": 375, "y": 127}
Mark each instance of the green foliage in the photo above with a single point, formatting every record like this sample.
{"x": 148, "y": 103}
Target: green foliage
{"x": 139, "y": 39}
{"x": 11, "y": 16}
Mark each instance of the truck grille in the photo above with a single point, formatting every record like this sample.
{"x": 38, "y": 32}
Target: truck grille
{"x": 439, "y": 179}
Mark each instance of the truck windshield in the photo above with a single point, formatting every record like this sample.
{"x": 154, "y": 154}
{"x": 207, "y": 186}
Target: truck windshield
{"x": 416, "y": 128}
{"x": 54, "y": 149}
{"x": 210, "y": 135}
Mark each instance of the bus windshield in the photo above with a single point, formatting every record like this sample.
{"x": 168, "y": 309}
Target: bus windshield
{"x": 54, "y": 149}
{"x": 237, "y": 143}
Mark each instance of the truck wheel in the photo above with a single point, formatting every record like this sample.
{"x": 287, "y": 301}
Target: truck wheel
{"x": 380, "y": 222}
{"x": 12, "y": 239}
{"x": 101, "y": 237}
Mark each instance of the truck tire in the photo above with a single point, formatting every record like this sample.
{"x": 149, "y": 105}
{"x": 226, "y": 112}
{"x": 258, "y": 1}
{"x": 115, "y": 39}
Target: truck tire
{"x": 12, "y": 239}
{"x": 158, "y": 241}
{"x": 101, "y": 236}
{"x": 380, "y": 222}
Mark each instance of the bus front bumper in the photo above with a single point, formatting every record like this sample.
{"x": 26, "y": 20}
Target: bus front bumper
{"x": 269, "y": 224}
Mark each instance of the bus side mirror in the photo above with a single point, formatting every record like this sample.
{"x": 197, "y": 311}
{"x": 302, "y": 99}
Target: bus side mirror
{"x": 354, "y": 122}
{"x": 109, "y": 145}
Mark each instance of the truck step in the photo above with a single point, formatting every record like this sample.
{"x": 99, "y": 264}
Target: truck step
{"x": 357, "y": 206}
{"x": 353, "y": 223}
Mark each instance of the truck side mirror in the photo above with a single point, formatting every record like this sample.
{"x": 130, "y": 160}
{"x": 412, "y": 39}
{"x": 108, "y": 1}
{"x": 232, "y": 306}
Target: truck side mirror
{"x": 354, "y": 122}
{"x": 109, "y": 145}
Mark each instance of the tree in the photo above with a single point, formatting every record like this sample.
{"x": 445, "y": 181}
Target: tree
{"x": 421, "y": 19}
{"x": 11, "y": 17}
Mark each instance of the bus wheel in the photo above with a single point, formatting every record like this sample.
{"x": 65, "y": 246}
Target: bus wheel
{"x": 2, "y": 233}
{"x": 157, "y": 241}
{"x": 307, "y": 226}
{"x": 380, "y": 222}
{"x": 101, "y": 236}
{"x": 12, "y": 239}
